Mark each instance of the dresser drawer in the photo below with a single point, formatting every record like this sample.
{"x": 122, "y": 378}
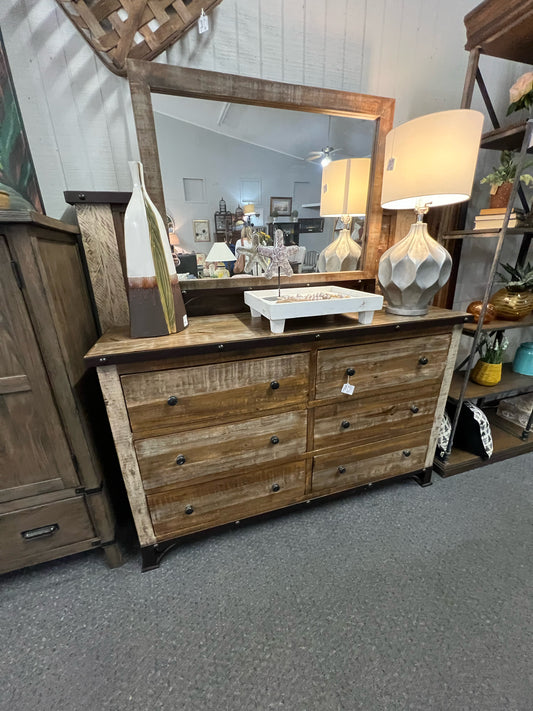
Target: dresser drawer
{"x": 359, "y": 465}
{"x": 29, "y": 533}
{"x": 213, "y": 503}
{"x": 410, "y": 362}
{"x": 378, "y": 417}
{"x": 177, "y": 399}
{"x": 221, "y": 450}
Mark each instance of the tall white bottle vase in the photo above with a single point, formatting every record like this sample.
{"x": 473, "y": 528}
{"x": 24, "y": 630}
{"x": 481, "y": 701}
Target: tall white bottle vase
{"x": 155, "y": 299}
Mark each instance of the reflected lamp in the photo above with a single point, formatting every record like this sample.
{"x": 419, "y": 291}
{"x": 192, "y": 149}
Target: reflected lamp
{"x": 218, "y": 255}
{"x": 429, "y": 161}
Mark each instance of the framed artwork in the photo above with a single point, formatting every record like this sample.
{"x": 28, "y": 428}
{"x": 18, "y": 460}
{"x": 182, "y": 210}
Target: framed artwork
{"x": 200, "y": 229}
{"x": 281, "y": 206}
{"x": 17, "y": 172}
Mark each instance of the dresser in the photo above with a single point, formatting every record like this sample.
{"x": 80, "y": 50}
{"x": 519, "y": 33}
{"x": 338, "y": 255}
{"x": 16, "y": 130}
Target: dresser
{"x": 226, "y": 420}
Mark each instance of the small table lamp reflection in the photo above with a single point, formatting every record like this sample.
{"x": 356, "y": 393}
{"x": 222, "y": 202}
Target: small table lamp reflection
{"x": 215, "y": 260}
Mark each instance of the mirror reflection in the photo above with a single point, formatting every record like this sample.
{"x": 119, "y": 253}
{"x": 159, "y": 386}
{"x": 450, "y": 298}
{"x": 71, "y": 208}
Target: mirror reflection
{"x": 236, "y": 173}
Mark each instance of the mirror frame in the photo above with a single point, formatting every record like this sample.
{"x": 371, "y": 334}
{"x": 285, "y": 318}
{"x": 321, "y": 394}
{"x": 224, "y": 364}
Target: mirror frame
{"x": 146, "y": 78}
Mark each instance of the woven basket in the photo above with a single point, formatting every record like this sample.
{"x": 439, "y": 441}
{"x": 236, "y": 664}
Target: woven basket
{"x": 140, "y": 29}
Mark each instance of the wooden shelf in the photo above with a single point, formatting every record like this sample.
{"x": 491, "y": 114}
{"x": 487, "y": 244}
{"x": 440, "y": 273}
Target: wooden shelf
{"x": 511, "y": 384}
{"x": 502, "y": 29}
{"x": 499, "y": 325}
{"x": 507, "y": 443}
{"x": 506, "y": 138}
{"x": 459, "y": 234}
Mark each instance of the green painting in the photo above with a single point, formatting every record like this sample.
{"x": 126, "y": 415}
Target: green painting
{"x": 17, "y": 172}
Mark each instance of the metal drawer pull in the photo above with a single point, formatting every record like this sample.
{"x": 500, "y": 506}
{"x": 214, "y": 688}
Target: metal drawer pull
{"x": 423, "y": 360}
{"x": 274, "y": 439}
{"x": 350, "y": 371}
{"x": 414, "y": 409}
{"x": 406, "y": 452}
{"x": 172, "y": 400}
{"x": 345, "y": 424}
{"x": 189, "y": 509}
{"x": 275, "y": 487}
{"x": 341, "y": 469}
{"x": 274, "y": 385}
{"x": 41, "y": 532}
{"x": 180, "y": 459}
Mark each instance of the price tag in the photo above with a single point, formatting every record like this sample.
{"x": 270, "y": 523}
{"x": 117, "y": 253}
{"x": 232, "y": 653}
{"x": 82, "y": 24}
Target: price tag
{"x": 347, "y": 389}
{"x": 203, "y": 23}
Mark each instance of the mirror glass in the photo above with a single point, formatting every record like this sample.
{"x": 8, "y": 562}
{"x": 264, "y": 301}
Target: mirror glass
{"x": 251, "y": 155}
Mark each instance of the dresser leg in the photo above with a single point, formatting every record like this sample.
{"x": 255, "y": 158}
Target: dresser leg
{"x": 150, "y": 558}
{"x": 423, "y": 477}
{"x": 113, "y": 555}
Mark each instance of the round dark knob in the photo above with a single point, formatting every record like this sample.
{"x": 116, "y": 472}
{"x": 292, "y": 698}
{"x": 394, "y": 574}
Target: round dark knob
{"x": 423, "y": 360}
{"x": 189, "y": 509}
{"x": 172, "y": 400}
{"x": 180, "y": 459}
{"x": 406, "y": 452}
{"x": 345, "y": 424}
{"x": 274, "y": 385}
{"x": 274, "y": 439}
{"x": 350, "y": 371}
{"x": 341, "y": 469}
{"x": 414, "y": 409}
{"x": 275, "y": 487}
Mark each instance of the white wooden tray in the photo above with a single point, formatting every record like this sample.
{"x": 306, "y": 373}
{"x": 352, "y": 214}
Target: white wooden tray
{"x": 265, "y": 303}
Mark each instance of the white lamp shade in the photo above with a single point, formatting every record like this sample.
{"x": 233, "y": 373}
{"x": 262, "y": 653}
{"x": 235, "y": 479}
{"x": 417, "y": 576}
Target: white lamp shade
{"x": 345, "y": 187}
{"x": 431, "y": 160}
{"x": 249, "y": 209}
{"x": 220, "y": 252}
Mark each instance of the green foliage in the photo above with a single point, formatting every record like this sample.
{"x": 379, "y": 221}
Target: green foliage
{"x": 517, "y": 278}
{"x": 506, "y": 171}
{"x": 524, "y": 102}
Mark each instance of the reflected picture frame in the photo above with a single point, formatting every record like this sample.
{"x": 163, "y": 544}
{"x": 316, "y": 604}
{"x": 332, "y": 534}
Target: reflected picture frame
{"x": 200, "y": 230}
{"x": 282, "y": 206}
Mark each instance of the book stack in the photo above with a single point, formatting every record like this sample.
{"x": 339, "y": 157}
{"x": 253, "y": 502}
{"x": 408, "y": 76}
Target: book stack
{"x": 491, "y": 218}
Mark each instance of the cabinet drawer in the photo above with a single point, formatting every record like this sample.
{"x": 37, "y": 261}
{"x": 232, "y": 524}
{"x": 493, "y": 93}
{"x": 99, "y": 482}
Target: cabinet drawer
{"x": 381, "y": 366}
{"x": 28, "y": 533}
{"x": 367, "y": 419}
{"x": 213, "y": 503}
{"x": 215, "y": 451}
{"x": 359, "y": 465}
{"x": 227, "y": 391}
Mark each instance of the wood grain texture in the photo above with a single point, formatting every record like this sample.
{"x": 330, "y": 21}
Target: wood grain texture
{"x": 225, "y": 500}
{"x": 118, "y": 419}
{"x": 103, "y": 261}
{"x": 227, "y": 391}
{"x": 220, "y": 450}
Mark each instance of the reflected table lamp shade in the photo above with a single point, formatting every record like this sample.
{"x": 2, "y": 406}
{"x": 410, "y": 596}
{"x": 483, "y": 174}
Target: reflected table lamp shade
{"x": 344, "y": 194}
{"x": 218, "y": 255}
{"x": 429, "y": 161}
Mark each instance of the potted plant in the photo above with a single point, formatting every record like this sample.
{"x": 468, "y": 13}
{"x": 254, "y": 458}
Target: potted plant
{"x": 488, "y": 369}
{"x": 515, "y": 300}
{"x": 501, "y": 180}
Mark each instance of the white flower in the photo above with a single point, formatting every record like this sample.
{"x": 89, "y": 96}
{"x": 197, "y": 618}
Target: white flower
{"x": 523, "y": 85}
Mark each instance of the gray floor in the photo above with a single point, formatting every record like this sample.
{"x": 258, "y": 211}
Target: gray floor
{"x": 394, "y": 598}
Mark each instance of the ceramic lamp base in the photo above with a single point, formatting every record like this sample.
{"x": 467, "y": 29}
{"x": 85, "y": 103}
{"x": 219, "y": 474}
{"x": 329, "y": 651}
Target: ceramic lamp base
{"x": 342, "y": 255}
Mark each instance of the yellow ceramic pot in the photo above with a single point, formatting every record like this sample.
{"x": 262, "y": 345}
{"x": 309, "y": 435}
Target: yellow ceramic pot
{"x": 486, "y": 373}
{"x": 512, "y": 305}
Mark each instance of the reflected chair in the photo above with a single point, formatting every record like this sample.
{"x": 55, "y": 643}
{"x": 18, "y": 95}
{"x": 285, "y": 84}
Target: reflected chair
{"x": 309, "y": 263}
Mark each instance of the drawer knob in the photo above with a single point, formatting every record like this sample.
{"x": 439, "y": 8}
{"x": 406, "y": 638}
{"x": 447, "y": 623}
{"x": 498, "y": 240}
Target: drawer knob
{"x": 414, "y": 409}
{"x": 406, "y": 452}
{"x": 423, "y": 360}
{"x": 172, "y": 400}
{"x": 274, "y": 439}
{"x": 274, "y": 385}
{"x": 341, "y": 469}
{"x": 350, "y": 371}
{"x": 189, "y": 509}
{"x": 180, "y": 459}
{"x": 345, "y": 424}
{"x": 275, "y": 487}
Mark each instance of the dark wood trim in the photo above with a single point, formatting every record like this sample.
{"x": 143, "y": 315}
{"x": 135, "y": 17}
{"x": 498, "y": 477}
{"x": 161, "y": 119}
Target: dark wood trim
{"x": 96, "y": 197}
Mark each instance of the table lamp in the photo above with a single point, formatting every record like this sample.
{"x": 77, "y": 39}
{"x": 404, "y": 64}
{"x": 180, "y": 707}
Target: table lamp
{"x": 218, "y": 254}
{"x": 344, "y": 193}
{"x": 249, "y": 210}
{"x": 429, "y": 161}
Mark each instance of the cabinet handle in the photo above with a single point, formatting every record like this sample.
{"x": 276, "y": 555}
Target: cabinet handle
{"x": 341, "y": 469}
{"x": 274, "y": 385}
{"x": 406, "y": 452}
{"x": 350, "y": 371}
{"x": 180, "y": 459}
{"x": 345, "y": 424}
{"x": 423, "y": 360}
{"x": 274, "y": 439}
{"x": 41, "y": 532}
{"x": 275, "y": 487}
{"x": 172, "y": 400}
{"x": 189, "y": 510}
{"x": 414, "y": 409}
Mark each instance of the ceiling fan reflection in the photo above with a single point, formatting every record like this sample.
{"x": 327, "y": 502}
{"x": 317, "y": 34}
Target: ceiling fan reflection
{"x": 324, "y": 155}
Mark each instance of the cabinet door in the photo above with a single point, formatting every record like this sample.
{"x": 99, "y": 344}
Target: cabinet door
{"x": 34, "y": 454}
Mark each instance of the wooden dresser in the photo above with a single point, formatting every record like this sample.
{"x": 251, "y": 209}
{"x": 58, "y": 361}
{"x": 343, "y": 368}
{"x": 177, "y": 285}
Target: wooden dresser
{"x": 227, "y": 420}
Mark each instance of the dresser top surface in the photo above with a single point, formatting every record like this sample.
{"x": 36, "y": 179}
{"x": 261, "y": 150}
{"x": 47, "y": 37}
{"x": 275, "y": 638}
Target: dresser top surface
{"x": 219, "y": 332}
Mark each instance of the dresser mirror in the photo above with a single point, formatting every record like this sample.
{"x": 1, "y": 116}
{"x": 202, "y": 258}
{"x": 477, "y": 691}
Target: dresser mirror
{"x": 174, "y": 106}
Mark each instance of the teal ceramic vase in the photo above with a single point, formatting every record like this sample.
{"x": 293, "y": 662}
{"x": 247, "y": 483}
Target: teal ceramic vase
{"x": 523, "y": 360}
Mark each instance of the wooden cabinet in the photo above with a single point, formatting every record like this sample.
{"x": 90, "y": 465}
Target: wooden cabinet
{"x": 52, "y": 499}
{"x": 226, "y": 420}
